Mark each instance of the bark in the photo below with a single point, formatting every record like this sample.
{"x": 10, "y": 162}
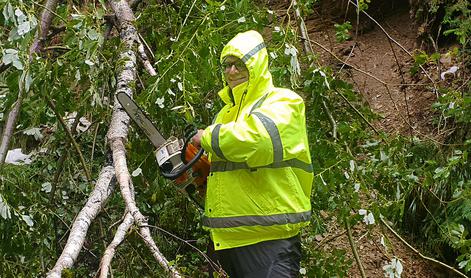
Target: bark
{"x": 46, "y": 20}
{"x": 96, "y": 201}
{"x": 123, "y": 177}
{"x": 120, "y": 122}
{"x": 10, "y": 125}
{"x": 111, "y": 249}
{"x": 145, "y": 60}
{"x": 71, "y": 138}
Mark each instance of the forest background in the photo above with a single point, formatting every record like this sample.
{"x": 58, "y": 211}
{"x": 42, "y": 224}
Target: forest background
{"x": 80, "y": 192}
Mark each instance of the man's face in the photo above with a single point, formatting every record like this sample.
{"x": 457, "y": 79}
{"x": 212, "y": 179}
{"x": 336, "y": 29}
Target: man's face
{"x": 235, "y": 71}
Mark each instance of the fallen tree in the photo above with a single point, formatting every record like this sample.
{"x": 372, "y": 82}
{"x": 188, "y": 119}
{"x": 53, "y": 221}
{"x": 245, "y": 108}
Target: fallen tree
{"x": 117, "y": 136}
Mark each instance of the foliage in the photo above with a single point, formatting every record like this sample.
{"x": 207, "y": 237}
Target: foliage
{"x": 422, "y": 186}
{"x": 306, "y": 7}
{"x": 458, "y": 21}
{"x": 421, "y": 58}
{"x": 448, "y": 18}
{"x": 77, "y": 73}
{"x": 342, "y": 31}
{"x": 363, "y": 5}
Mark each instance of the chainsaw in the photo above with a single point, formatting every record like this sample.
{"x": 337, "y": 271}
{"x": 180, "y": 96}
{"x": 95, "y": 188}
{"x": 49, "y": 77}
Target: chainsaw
{"x": 178, "y": 159}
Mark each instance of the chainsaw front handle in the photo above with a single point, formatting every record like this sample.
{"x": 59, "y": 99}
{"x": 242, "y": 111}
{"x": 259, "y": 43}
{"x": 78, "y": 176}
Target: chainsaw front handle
{"x": 183, "y": 167}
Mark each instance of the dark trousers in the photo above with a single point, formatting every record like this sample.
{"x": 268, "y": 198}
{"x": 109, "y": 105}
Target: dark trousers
{"x": 269, "y": 259}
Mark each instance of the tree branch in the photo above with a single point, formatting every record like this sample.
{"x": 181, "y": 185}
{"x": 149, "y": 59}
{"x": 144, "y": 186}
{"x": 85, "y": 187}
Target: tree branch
{"x": 46, "y": 19}
{"x": 111, "y": 249}
{"x": 11, "y": 122}
{"x": 118, "y": 131}
{"x": 456, "y": 271}
{"x": 41, "y": 34}
{"x": 398, "y": 44}
{"x": 354, "y": 249}
{"x": 308, "y": 50}
{"x": 61, "y": 161}
{"x": 98, "y": 197}
{"x": 145, "y": 60}
{"x": 71, "y": 138}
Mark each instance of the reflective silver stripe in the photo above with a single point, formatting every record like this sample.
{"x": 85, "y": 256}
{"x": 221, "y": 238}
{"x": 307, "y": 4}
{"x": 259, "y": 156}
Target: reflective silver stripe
{"x": 272, "y": 130}
{"x": 253, "y": 52}
{"x": 259, "y": 103}
{"x": 256, "y": 220}
{"x": 226, "y": 166}
{"x": 215, "y": 142}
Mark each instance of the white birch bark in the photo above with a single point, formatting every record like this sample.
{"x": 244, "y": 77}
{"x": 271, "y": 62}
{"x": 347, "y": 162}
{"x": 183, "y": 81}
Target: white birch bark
{"x": 145, "y": 60}
{"x": 96, "y": 201}
{"x": 111, "y": 249}
{"x": 119, "y": 126}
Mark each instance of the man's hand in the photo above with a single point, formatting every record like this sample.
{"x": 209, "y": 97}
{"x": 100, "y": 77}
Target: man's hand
{"x": 196, "y": 140}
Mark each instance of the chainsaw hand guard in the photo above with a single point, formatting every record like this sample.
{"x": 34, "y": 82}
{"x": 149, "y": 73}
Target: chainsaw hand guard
{"x": 183, "y": 164}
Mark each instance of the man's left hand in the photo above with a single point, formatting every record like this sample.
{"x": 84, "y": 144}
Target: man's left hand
{"x": 196, "y": 140}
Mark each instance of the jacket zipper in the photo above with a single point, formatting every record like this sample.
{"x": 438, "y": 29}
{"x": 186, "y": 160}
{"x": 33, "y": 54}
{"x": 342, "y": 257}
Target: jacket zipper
{"x": 240, "y": 104}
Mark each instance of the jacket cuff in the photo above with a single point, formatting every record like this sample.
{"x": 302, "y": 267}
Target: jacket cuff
{"x": 206, "y": 139}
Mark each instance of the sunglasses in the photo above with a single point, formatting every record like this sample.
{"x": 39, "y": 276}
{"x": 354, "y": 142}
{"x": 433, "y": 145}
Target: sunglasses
{"x": 240, "y": 66}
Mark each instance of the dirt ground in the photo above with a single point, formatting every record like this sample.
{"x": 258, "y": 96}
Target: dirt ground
{"x": 380, "y": 72}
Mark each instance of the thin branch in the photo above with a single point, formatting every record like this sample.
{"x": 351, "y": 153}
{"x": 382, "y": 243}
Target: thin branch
{"x": 402, "y": 88}
{"x": 143, "y": 41}
{"x": 103, "y": 189}
{"x": 94, "y": 141}
{"x": 354, "y": 249}
{"x": 348, "y": 64}
{"x": 420, "y": 254}
{"x": 145, "y": 60}
{"x": 213, "y": 264}
{"x": 56, "y": 47}
{"x": 397, "y": 43}
{"x": 105, "y": 264}
{"x": 46, "y": 19}
{"x": 386, "y": 85}
{"x": 61, "y": 161}
{"x": 71, "y": 138}
{"x": 329, "y": 238}
{"x": 11, "y": 121}
{"x": 356, "y": 110}
{"x": 45, "y": 24}
{"x": 308, "y": 50}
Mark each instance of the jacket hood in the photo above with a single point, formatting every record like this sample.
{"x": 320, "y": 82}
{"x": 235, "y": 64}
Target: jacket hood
{"x": 250, "y": 48}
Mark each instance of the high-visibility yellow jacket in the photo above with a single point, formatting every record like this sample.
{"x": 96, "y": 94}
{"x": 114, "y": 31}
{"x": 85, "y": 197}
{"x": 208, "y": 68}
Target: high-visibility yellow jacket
{"x": 260, "y": 181}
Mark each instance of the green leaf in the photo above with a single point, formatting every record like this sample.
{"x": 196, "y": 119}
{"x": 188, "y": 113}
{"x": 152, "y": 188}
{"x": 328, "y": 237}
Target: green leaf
{"x": 10, "y": 56}
{"x": 24, "y": 28}
{"x": 46, "y": 187}
{"x": 4, "y": 209}
{"x": 8, "y": 13}
{"x": 28, "y": 220}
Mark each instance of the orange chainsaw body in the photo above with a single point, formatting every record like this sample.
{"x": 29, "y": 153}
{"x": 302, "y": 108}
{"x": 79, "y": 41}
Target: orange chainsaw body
{"x": 200, "y": 170}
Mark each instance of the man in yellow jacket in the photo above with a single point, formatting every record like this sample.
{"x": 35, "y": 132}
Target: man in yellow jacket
{"x": 259, "y": 187}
